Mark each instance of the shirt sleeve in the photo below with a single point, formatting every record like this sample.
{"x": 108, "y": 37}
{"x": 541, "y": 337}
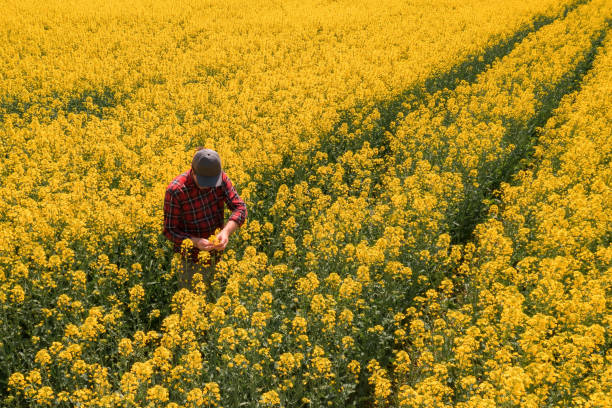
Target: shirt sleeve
{"x": 234, "y": 202}
{"x": 172, "y": 217}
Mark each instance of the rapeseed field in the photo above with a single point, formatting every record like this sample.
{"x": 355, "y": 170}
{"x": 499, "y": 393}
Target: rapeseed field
{"x": 429, "y": 197}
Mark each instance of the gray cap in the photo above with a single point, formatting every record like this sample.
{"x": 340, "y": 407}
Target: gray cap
{"x": 206, "y": 165}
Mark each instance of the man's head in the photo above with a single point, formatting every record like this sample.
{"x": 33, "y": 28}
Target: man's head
{"x": 206, "y": 165}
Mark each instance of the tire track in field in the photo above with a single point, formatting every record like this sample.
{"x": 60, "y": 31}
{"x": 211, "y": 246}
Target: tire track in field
{"x": 466, "y": 70}
{"x": 334, "y": 144}
{"x": 474, "y": 210}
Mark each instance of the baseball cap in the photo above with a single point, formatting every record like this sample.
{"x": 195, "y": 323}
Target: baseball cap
{"x": 206, "y": 165}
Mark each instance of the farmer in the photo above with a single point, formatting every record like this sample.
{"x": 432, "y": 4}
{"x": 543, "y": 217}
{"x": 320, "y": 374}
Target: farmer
{"x": 193, "y": 209}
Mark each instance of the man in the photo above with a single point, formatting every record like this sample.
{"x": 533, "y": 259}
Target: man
{"x": 193, "y": 209}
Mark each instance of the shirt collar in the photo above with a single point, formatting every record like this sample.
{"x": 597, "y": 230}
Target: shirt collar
{"x": 189, "y": 182}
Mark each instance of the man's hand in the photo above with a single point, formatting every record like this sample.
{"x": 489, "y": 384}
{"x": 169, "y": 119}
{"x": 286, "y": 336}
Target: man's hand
{"x": 203, "y": 244}
{"x": 223, "y": 238}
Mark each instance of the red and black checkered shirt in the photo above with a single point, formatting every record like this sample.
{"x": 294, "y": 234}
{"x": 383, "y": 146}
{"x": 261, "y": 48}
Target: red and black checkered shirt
{"x": 193, "y": 212}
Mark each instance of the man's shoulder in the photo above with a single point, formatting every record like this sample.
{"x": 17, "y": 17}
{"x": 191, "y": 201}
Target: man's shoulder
{"x": 225, "y": 180}
{"x": 178, "y": 184}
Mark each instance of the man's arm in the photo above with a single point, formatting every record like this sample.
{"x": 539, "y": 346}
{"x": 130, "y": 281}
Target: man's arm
{"x": 172, "y": 217}
{"x": 230, "y": 227}
{"x": 234, "y": 203}
{"x": 239, "y": 212}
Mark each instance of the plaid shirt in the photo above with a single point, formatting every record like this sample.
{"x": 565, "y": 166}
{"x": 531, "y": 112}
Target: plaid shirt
{"x": 193, "y": 212}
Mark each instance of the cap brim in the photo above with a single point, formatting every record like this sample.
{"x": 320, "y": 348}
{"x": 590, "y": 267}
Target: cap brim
{"x": 214, "y": 181}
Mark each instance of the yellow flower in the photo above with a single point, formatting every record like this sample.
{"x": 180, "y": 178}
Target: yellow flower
{"x": 322, "y": 368}
{"x": 187, "y": 244}
{"x": 44, "y": 396}
{"x": 299, "y": 325}
{"x": 213, "y": 240}
{"x": 286, "y": 363}
{"x": 42, "y": 357}
{"x": 17, "y": 382}
{"x": 157, "y": 394}
{"x": 270, "y": 399}
{"x": 348, "y": 342}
